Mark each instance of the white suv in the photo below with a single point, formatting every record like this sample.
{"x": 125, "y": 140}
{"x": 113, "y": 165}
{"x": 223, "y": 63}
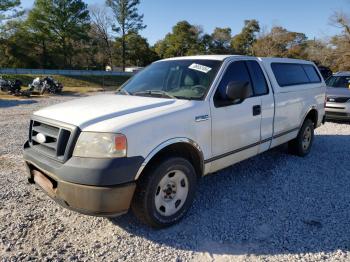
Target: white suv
{"x": 146, "y": 146}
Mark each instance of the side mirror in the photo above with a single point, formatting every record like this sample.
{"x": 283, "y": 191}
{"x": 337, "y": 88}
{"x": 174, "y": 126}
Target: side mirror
{"x": 238, "y": 90}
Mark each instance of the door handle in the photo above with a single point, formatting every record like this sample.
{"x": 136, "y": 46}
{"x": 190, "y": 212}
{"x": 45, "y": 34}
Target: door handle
{"x": 256, "y": 110}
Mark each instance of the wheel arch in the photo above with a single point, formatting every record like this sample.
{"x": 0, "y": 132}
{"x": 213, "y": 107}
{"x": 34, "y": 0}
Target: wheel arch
{"x": 184, "y": 147}
{"x": 311, "y": 114}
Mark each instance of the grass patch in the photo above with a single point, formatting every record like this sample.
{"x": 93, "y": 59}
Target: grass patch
{"x": 76, "y": 81}
{"x": 70, "y": 90}
{"x": 71, "y": 84}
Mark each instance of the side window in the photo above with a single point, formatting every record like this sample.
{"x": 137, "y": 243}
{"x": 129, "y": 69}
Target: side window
{"x": 236, "y": 71}
{"x": 289, "y": 74}
{"x": 312, "y": 73}
{"x": 258, "y": 78}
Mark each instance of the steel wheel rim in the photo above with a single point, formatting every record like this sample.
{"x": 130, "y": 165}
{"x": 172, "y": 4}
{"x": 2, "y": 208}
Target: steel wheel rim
{"x": 307, "y": 138}
{"x": 171, "y": 193}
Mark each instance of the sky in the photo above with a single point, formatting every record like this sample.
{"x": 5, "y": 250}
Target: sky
{"x": 308, "y": 16}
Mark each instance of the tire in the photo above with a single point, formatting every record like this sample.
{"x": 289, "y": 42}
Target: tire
{"x": 160, "y": 198}
{"x": 301, "y": 145}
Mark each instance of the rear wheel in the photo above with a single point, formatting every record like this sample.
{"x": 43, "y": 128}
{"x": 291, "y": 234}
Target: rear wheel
{"x": 302, "y": 144}
{"x": 165, "y": 193}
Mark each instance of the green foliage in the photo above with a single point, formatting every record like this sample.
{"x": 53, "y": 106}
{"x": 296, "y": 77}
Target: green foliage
{"x": 183, "y": 40}
{"x": 128, "y": 20}
{"x": 6, "y": 5}
{"x": 9, "y": 6}
{"x": 17, "y": 49}
{"x": 243, "y": 42}
{"x": 61, "y": 34}
{"x": 126, "y": 15}
{"x": 221, "y": 38}
{"x": 62, "y": 23}
{"x": 138, "y": 53}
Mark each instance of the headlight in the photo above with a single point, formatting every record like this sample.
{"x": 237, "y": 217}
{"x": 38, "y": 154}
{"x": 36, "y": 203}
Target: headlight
{"x": 100, "y": 145}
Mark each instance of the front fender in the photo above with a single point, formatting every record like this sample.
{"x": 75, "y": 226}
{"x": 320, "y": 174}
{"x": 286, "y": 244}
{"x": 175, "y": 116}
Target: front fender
{"x": 168, "y": 143}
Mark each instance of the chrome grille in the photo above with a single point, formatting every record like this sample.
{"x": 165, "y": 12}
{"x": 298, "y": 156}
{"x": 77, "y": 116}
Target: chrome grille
{"x": 54, "y": 141}
{"x": 338, "y": 99}
{"x": 334, "y": 114}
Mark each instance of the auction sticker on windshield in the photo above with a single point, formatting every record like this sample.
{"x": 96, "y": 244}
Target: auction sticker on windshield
{"x": 201, "y": 68}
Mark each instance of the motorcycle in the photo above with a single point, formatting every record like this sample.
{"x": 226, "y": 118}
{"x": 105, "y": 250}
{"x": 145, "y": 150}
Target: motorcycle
{"x": 47, "y": 84}
{"x": 11, "y": 87}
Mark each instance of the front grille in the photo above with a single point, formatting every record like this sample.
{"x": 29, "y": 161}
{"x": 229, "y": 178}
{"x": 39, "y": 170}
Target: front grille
{"x": 338, "y": 99}
{"x": 335, "y": 107}
{"x": 58, "y": 140}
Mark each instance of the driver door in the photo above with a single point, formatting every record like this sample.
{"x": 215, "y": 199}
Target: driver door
{"x": 235, "y": 126}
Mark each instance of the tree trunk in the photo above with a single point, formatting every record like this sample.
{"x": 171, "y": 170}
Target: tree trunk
{"x": 44, "y": 55}
{"x": 109, "y": 54}
{"x": 64, "y": 46}
{"x": 123, "y": 49}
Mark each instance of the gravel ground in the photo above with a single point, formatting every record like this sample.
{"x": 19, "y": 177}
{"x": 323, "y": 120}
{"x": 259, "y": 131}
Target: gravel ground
{"x": 274, "y": 207}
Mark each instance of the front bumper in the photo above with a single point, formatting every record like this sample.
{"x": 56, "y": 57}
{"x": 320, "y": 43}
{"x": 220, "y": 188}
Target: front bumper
{"x": 338, "y": 111}
{"x": 96, "y": 187}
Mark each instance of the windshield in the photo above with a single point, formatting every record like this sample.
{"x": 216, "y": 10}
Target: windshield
{"x": 183, "y": 79}
{"x": 338, "y": 81}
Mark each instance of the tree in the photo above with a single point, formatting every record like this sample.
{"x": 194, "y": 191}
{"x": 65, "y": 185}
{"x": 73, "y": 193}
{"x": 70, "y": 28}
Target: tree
{"x": 9, "y": 9}
{"x": 128, "y": 19}
{"x": 341, "y": 43}
{"x": 183, "y": 40}
{"x": 341, "y": 20}
{"x": 221, "y": 38}
{"x": 243, "y": 42}
{"x": 101, "y": 32}
{"x": 138, "y": 52}
{"x": 280, "y": 42}
{"x": 20, "y": 48}
{"x": 341, "y": 51}
{"x": 63, "y": 22}
{"x": 320, "y": 52}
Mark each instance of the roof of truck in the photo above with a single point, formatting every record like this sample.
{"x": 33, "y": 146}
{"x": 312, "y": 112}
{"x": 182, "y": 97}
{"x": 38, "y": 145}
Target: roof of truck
{"x": 223, "y": 57}
{"x": 203, "y": 57}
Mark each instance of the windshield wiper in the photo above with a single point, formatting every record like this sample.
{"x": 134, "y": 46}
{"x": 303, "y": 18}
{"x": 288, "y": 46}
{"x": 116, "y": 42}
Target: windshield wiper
{"x": 123, "y": 91}
{"x": 154, "y": 92}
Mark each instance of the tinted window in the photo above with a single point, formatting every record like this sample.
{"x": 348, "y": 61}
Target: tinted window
{"x": 237, "y": 71}
{"x": 258, "y": 78}
{"x": 289, "y": 74}
{"x": 339, "y": 81}
{"x": 312, "y": 73}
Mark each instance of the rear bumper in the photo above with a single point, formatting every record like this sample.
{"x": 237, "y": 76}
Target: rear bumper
{"x": 99, "y": 187}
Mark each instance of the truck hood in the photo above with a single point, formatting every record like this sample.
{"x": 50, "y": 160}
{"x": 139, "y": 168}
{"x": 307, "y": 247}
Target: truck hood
{"x": 90, "y": 110}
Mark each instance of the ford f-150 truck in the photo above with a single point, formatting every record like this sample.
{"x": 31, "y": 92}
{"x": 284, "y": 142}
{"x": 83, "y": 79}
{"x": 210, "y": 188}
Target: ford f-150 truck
{"x": 145, "y": 146}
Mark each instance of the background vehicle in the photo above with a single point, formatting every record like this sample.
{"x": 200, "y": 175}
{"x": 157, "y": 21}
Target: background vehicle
{"x": 338, "y": 96}
{"x": 12, "y": 87}
{"x": 173, "y": 122}
{"x": 325, "y": 71}
{"x": 47, "y": 84}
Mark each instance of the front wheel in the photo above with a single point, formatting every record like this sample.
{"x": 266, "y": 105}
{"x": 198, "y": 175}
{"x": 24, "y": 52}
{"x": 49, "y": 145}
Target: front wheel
{"x": 164, "y": 194}
{"x": 302, "y": 144}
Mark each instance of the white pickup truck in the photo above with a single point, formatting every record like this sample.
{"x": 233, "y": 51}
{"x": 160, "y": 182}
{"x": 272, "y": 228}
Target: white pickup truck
{"x": 146, "y": 146}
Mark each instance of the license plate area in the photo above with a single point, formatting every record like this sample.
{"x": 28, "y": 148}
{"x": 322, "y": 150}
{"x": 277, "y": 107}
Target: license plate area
{"x": 47, "y": 184}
